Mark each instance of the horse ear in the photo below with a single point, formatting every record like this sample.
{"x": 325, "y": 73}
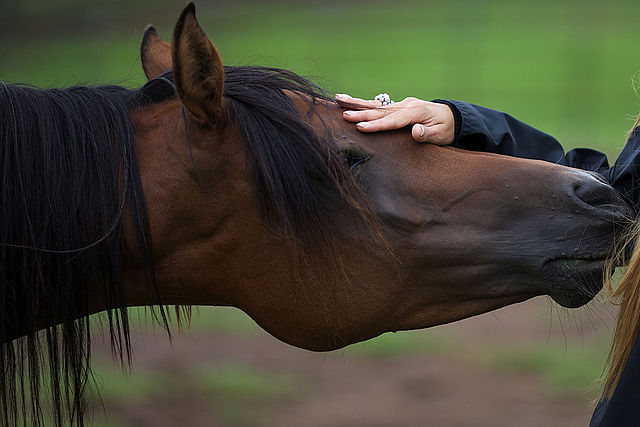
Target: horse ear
{"x": 197, "y": 68}
{"x": 155, "y": 54}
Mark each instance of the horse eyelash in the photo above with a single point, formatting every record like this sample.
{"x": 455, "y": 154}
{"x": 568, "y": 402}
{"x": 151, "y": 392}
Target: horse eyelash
{"x": 354, "y": 158}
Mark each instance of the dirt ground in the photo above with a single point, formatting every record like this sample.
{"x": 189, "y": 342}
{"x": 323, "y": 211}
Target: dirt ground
{"x": 433, "y": 388}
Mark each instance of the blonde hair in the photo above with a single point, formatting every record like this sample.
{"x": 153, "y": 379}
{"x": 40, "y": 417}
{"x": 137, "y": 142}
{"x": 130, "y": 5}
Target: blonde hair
{"x": 635, "y": 125}
{"x": 627, "y": 296}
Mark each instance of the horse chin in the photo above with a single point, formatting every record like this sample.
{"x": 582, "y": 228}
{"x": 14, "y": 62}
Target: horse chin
{"x": 574, "y": 282}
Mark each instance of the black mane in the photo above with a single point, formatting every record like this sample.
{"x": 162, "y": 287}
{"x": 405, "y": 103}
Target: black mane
{"x": 69, "y": 175}
{"x": 68, "y": 169}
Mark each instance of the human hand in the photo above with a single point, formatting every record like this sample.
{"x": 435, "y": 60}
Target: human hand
{"x": 432, "y": 122}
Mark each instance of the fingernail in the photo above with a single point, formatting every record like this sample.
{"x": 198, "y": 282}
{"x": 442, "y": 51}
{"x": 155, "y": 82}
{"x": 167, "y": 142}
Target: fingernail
{"x": 362, "y": 125}
{"x": 342, "y": 96}
{"x": 421, "y": 130}
{"x": 348, "y": 113}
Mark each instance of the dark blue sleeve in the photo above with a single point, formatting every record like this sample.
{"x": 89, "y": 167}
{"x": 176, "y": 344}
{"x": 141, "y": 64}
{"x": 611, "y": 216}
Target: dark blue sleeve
{"x": 482, "y": 129}
{"x": 624, "y": 175}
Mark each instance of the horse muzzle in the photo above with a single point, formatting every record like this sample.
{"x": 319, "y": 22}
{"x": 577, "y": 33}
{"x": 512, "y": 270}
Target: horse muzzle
{"x": 577, "y": 274}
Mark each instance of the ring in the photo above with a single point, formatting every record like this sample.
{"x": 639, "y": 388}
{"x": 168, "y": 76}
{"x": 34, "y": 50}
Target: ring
{"x": 384, "y": 98}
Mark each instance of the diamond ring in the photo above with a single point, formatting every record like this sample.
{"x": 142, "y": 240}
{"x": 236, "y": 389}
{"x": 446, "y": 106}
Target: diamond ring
{"x": 384, "y": 98}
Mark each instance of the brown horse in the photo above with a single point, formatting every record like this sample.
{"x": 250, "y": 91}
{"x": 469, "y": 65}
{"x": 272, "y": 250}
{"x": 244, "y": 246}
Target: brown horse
{"x": 244, "y": 187}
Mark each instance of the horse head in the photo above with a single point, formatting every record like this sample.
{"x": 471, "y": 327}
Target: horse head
{"x": 326, "y": 236}
{"x": 264, "y": 198}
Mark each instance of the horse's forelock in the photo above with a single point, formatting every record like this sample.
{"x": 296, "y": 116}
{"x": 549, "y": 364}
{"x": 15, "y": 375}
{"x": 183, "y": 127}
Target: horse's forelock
{"x": 300, "y": 178}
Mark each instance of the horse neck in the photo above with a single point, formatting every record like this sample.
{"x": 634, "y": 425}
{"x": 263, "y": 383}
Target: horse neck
{"x": 188, "y": 214}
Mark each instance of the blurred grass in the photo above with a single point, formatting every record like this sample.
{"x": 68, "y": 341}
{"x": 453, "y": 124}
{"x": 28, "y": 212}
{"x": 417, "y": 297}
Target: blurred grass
{"x": 565, "y": 67}
{"x": 569, "y": 370}
{"x": 236, "y": 393}
{"x": 144, "y": 384}
{"x": 401, "y": 344}
{"x": 224, "y": 380}
{"x": 227, "y": 320}
{"x": 236, "y": 381}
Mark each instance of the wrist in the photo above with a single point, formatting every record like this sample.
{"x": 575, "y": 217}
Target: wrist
{"x": 457, "y": 117}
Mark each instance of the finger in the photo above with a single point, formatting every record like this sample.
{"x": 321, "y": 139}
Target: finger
{"x": 357, "y": 103}
{"x": 366, "y": 115}
{"x": 396, "y": 120}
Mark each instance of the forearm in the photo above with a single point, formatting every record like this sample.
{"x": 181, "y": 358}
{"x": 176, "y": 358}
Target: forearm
{"x": 483, "y": 129}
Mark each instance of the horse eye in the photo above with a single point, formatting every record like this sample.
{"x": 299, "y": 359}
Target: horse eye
{"x": 353, "y": 158}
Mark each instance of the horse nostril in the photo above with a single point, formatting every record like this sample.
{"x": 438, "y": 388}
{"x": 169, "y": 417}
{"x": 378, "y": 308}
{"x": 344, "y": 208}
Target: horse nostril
{"x": 593, "y": 190}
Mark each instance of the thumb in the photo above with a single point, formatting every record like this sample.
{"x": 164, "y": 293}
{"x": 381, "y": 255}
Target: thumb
{"x": 431, "y": 134}
{"x": 420, "y": 133}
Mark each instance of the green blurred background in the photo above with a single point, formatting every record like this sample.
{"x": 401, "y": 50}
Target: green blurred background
{"x": 565, "y": 67}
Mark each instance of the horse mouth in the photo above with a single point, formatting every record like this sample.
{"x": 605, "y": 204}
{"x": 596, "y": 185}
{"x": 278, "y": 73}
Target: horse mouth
{"x": 573, "y": 282}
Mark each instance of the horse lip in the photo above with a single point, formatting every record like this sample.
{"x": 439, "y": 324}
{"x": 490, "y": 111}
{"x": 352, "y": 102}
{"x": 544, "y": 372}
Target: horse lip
{"x": 597, "y": 256}
{"x": 565, "y": 266}
{"x": 574, "y": 281}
